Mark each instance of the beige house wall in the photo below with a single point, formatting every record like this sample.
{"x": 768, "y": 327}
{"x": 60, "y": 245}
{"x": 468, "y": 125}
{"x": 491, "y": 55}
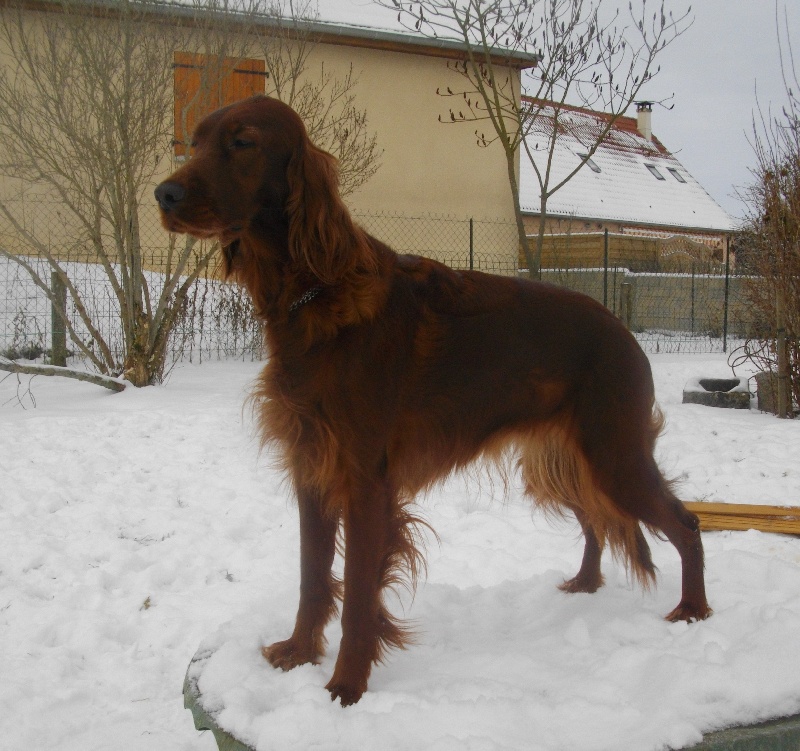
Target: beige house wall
{"x": 427, "y": 167}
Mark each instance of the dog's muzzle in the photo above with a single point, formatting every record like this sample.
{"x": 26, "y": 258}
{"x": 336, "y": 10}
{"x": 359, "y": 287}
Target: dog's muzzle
{"x": 169, "y": 195}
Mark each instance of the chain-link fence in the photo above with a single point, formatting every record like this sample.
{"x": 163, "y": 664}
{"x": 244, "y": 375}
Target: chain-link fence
{"x": 216, "y": 320}
{"x": 668, "y": 312}
{"x": 697, "y": 309}
{"x": 481, "y": 244}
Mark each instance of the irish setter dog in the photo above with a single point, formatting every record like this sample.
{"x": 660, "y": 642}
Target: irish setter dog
{"x": 386, "y": 373}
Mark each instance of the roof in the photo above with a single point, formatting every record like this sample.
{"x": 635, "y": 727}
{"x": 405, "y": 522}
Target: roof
{"x": 358, "y": 35}
{"x": 322, "y": 31}
{"x": 624, "y": 189}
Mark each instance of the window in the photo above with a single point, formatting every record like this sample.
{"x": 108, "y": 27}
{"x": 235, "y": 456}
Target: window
{"x": 204, "y": 83}
{"x": 677, "y": 175}
{"x": 590, "y": 163}
{"x": 654, "y": 172}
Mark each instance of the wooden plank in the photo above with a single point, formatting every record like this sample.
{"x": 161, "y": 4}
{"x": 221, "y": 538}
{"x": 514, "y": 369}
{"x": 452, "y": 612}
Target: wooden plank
{"x": 744, "y": 508}
{"x": 743, "y": 516}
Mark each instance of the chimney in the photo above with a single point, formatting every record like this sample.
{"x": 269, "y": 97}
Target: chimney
{"x": 644, "y": 112}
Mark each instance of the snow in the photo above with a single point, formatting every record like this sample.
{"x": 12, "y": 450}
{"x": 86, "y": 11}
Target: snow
{"x": 139, "y": 526}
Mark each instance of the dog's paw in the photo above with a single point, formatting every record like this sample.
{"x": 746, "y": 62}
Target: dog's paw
{"x": 581, "y": 584}
{"x": 287, "y": 655}
{"x": 689, "y": 612}
{"x": 346, "y": 694}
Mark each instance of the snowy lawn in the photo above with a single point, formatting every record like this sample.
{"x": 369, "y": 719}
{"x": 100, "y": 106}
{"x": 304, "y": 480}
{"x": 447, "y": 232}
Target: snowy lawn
{"x": 136, "y": 526}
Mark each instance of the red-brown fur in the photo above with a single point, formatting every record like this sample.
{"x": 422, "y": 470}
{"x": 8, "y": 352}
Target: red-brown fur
{"x": 399, "y": 371}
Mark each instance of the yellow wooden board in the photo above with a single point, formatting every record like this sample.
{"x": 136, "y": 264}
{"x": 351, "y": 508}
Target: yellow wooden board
{"x": 741, "y": 516}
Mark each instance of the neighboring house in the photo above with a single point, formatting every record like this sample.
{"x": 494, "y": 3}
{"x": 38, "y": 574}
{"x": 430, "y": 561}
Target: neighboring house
{"x": 656, "y": 214}
{"x": 426, "y": 167}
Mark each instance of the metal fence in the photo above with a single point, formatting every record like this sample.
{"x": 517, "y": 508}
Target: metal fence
{"x": 696, "y": 310}
{"x": 215, "y": 322}
{"x": 481, "y": 244}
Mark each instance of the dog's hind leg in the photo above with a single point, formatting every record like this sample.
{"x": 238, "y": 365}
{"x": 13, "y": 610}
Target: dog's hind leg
{"x": 616, "y": 430}
{"x": 319, "y": 589}
{"x": 682, "y": 529}
{"x": 559, "y": 478}
{"x": 636, "y": 487}
{"x": 589, "y": 578}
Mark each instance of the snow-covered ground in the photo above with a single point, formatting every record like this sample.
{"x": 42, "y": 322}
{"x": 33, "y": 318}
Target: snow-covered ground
{"x": 136, "y": 525}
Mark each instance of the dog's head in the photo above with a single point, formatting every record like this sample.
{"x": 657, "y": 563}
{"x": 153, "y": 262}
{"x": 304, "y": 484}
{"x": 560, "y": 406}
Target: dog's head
{"x": 257, "y": 183}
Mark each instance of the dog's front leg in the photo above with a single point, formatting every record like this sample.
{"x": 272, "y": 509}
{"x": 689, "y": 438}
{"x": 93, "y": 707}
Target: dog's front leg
{"x": 318, "y": 588}
{"x": 366, "y": 626}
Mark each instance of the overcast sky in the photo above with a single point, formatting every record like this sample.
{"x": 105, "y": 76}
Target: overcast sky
{"x": 713, "y": 71}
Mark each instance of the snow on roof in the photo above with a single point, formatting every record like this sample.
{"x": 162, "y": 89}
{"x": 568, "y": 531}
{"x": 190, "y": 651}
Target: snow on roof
{"x": 357, "y": 23}
{"x": 633, "y": 180}
{"x": 366, "y": 20}
{"x": 358, "y": 13}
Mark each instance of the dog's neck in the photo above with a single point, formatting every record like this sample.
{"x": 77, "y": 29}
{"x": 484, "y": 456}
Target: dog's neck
{"x": 306, "y": 297}
{"x": 287, "y": 294}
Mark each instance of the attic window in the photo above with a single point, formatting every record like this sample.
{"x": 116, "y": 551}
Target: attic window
{"x": 590, "y": 163}
{"x": 677, "y": 175}
{"x": 654, "y": 172}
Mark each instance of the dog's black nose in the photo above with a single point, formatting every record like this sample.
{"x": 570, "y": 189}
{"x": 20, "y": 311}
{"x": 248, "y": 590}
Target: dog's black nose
{"x": 169, "y": 195}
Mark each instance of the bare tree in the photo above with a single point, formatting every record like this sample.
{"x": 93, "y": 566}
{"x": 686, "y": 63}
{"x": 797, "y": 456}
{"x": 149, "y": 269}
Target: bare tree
{"x": 326, "y": 102}
{"x": 86, "y": 105}
{"x": 588, "y": 56}
{"x": 772, "y": 234}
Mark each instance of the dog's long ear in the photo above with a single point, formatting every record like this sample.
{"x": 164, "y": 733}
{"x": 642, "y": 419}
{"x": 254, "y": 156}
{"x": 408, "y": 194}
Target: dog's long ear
{"x": 321, "y": 232}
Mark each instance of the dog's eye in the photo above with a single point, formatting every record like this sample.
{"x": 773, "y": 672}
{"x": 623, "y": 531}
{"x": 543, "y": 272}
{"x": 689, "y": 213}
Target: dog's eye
{"x": 241, "y": 143}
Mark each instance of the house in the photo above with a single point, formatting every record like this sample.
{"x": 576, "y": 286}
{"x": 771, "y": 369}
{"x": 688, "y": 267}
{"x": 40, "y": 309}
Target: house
{"x": 427, "y": 168}
{"x": 656, "y": 214}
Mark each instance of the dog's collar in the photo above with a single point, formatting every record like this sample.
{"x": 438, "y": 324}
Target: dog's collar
{"x": 305, "y": 298}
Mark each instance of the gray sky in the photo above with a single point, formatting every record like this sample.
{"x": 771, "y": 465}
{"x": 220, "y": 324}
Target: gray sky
{"x": 713, "y": 71}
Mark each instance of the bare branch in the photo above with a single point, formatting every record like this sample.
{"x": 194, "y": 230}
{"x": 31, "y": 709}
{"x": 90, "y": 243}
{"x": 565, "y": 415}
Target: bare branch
{"x": 326, "y": 103}
{"x": 11, "y": 366}
{"x": 769, "y": 247}
{"x": 588, "y": 57}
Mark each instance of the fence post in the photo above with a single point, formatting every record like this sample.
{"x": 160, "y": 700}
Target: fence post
{"x": 614, "y": 300}
{"x": 626, "y": 303}
{"x": 725, "y": 302}
{"x": 783, "y": 365}
{"x": 58, "y": 312}
{"x": 605, "y": 267}
{"x": 693, "y": 291}
{"x": 471, "y": 245}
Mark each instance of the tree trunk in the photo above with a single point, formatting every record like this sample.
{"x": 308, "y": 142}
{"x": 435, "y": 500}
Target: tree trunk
{"x": 540, "y": 235}
{"x": 142, "y": 366}
{"x": 521, "y": 233}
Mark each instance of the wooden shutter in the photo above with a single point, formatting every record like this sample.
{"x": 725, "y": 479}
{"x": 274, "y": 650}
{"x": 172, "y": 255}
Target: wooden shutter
{"x": 204, "y": 83}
